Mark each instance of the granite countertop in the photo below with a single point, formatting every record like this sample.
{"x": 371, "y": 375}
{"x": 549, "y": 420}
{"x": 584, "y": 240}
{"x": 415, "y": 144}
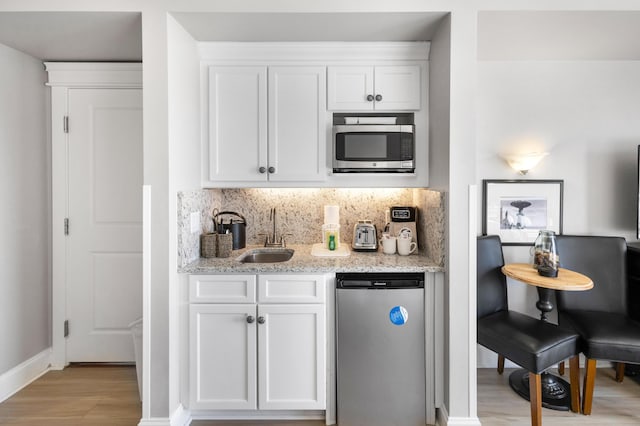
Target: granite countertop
{"x": 304, "y": 262}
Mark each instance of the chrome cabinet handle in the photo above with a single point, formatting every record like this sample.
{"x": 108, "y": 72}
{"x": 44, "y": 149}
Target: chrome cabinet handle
{"x": 370, "y": 98}
{"x": 261, "y": 320}
{"x": 262, "y": 169}
{"x": 272, "y": 169}
{"x": 378, "y": 98}
{"x": 250, "y": 319}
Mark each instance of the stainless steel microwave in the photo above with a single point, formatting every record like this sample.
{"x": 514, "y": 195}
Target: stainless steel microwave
{"x": 373, "y": 148}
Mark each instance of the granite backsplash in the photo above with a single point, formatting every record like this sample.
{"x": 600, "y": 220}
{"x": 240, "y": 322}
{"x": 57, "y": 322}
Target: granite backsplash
{"x": 300, "y": 212}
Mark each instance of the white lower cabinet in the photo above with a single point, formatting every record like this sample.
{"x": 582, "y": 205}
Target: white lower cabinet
{"x": 291, "y": 361}
{"x": 267, "y": 352}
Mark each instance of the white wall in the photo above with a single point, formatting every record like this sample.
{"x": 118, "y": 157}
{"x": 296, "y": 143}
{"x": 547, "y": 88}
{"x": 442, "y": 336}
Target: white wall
{"x": 157, "y": 297}
{"x": 439, "y": 119}
{"x": 24, "y": 217}
{"x": 460, "y": 398}
{"x": 586, "y": 115}
{"x": 184, "y": 155}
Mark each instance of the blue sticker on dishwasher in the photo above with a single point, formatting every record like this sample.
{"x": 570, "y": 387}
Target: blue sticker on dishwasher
{"x": 399, "y": 315}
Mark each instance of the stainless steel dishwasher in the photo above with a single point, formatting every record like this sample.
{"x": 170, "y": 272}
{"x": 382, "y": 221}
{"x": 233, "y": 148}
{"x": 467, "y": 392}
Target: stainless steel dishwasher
{"x": 380, "y": 349}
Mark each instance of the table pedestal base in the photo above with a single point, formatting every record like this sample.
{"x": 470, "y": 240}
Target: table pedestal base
{"x": 556, "y": 393}
{"x": 631, "y": 370}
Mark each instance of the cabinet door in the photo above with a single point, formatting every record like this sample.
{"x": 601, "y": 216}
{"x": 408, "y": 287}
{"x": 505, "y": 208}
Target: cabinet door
{"x": 291, "y": 356}
{"x": 222, "y": 359}
{"x": 297, "y": 124}
{"x": 237, "y": 147}
{"x": 398, "y": 88}
{"x": 348, "y": 88}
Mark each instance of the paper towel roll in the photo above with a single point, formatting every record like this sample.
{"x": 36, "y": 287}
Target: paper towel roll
{"x": 332, "y": 214}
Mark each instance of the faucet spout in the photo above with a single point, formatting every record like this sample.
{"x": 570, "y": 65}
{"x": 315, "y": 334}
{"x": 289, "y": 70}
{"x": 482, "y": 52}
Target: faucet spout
{"x": 272, "y": 238}
{"x": 273, "y": 223}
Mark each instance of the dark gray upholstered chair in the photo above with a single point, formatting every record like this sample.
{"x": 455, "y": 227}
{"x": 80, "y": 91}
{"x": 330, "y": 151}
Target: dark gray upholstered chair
{"x": 598, "y": 315}
{"x": 533, "y": 344}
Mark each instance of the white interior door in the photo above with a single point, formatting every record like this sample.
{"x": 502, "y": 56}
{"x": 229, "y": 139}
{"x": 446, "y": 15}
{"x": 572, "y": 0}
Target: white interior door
{"x": 104, "y": 258}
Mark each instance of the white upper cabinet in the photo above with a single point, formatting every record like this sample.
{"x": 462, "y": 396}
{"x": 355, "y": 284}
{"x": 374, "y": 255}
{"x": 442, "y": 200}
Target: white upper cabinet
{"x": 266, "y": 129}
{"x": 267, "y": 109}
{"x": 397, "y": 88}
{"x": 349, "y": 88}
{"x": 379, "y": 88}
{"x": 237, "y": 143}
{"x": 297, "y": 124}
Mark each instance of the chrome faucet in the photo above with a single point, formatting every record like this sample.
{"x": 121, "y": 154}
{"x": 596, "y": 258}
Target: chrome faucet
{"x": 272, "y": 239}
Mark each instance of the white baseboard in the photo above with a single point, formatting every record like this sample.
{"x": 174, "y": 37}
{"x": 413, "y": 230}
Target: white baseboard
{"x": 180, "y": 417}
{"x": 20, "y": 376}
{"x": 155, "y": 421}
{"x": 443, "y": 419}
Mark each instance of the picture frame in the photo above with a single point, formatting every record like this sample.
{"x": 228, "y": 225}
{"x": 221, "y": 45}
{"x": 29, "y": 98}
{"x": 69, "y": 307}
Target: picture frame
{"x": 516, "y": 210}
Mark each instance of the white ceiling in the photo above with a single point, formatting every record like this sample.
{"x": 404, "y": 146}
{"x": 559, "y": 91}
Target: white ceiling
{"x": 117, "y": 36}
{"x": 502, "y": 35}
{"x": 304, "y": 27}
{"x": 559, "y": 35}
{"x": 74, "y": 36}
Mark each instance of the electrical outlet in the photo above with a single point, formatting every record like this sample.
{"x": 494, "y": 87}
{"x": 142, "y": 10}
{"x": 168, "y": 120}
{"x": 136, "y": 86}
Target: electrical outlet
{"x": 195, "y": 222}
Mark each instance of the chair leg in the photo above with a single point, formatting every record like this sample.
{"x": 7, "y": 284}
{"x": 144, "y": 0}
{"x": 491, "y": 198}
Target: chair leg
{"x": 500, "y": 364}
{"x": 574, "y": 373}
{"x": 535, "y": 396}
{"x": 561, "y": 368}
{"x": 589, "y": 382}
{"x": 619, "y": 372}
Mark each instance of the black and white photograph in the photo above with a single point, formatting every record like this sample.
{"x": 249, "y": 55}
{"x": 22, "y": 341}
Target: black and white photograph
{"x": 523, "y": 213}
{"x": 517, "y": 210}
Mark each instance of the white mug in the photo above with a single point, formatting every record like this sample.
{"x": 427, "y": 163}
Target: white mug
{"x": 405, "y": 233}
{"x": 406, "y": 246}
{"x": 388, "y": 244}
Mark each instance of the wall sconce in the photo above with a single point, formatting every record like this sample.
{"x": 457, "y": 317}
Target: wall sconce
{"x": 522, "y": 163}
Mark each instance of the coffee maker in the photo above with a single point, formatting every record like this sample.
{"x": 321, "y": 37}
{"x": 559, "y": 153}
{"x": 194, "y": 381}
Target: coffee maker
{"x": 402, "y": 221}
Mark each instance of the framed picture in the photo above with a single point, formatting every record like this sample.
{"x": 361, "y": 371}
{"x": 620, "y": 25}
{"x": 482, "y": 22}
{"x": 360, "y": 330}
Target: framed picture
{"x": 517, "y": 210}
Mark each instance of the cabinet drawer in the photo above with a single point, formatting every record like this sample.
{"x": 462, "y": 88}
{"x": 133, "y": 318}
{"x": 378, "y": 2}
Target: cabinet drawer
{"x": 222, "y": 288}
{"x": 292, "y": 288}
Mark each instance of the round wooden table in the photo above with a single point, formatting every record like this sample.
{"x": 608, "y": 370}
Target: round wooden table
{"x": 555, "y": 391}
{"x": 566, "y": 280}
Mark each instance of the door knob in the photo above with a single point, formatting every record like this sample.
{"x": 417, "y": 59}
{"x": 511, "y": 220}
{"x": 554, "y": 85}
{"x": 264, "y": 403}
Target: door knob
{"x": 272, "y": 169}
{"x": 250, "y": 319}
{"x": 261, "y": 320}
{"x": 370, "y": 98}
{"x": 378, "y": 98}
{"x": 262, "y": 169}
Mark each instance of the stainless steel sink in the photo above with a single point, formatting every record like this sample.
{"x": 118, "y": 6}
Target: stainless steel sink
{"x": 266, "y": 255}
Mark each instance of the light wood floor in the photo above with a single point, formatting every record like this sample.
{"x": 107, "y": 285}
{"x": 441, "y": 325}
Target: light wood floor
{"x": 613, "y": 403}
{"x": 102, "y": 395}
{"x": 256, "y": 423}
{"x": 108, "y": 396}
